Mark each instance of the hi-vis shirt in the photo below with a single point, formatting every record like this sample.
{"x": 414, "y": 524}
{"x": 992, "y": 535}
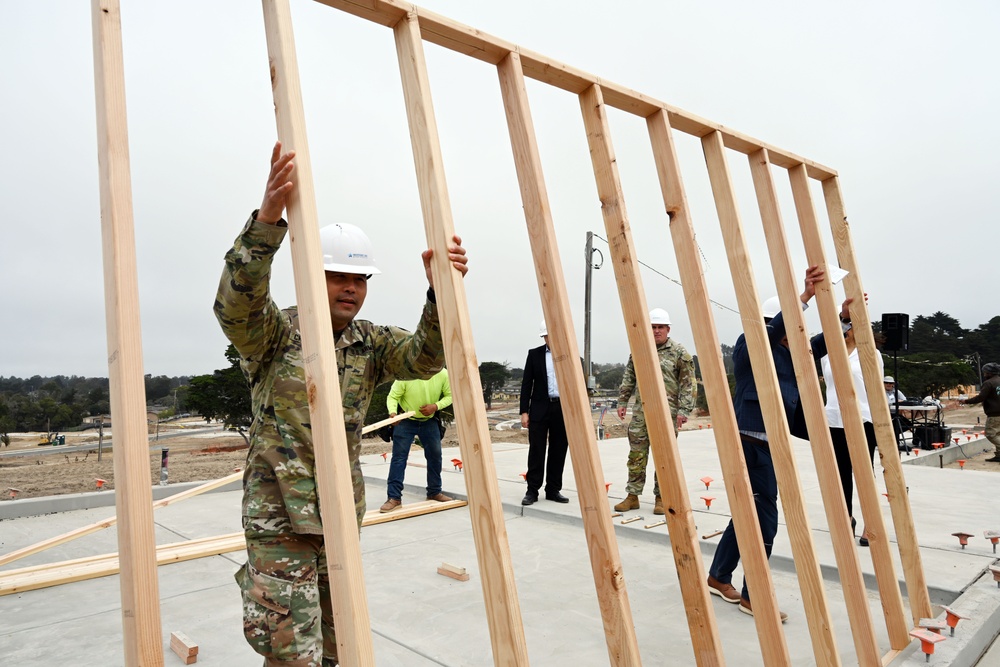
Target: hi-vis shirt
{"x": 279, "y": 480}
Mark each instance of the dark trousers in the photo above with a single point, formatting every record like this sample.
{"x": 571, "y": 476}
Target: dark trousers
{"x": 839, "y": 437}
{"x": 429, "y": 432}
{"x": 552, "y": 429}
{"x": 760, "y": 469}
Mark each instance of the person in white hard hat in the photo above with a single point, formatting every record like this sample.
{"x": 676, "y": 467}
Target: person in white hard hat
{"x": 287, "y": 616}
{"x": 541, "y": 414}
{"x": 756, "y": 451}
{"x": 677, "y": 368}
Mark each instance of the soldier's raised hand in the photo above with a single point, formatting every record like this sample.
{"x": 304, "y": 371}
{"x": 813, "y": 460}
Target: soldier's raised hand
{"x": 279, "y": 184}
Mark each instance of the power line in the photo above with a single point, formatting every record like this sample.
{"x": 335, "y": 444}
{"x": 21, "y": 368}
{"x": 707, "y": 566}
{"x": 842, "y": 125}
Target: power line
{"x": 674, "y": 280}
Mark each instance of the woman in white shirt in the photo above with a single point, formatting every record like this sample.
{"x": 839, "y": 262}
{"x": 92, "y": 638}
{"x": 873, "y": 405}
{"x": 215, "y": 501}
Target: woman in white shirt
{"x": 836, "y": 420}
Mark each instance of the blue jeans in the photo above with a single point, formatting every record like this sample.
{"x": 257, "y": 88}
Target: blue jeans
{"x": 430, "y": 439}
{"x": 760, "y": 469}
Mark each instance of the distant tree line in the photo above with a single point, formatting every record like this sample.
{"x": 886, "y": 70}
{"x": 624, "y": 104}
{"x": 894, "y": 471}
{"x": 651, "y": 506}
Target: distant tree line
{"x": 942, "y": 354}
{"x": 59, "y": 403}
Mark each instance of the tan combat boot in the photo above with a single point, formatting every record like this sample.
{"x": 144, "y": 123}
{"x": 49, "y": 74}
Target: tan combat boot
{"x": 658, "y": 507}
{"x": 631, "y": 502}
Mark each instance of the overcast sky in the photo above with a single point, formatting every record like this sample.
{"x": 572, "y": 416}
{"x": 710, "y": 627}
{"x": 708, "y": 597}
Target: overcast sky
{"x": 901, "y": 98}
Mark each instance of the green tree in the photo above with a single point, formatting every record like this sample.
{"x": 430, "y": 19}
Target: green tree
{"x": 224, "y": 395}
{"x": 610, "y": 376}
{"x": 493, "y": 375}
{"x": 6, "y": 423}
{"x": 932, "y": 374}
{"x": 157, "y": 387}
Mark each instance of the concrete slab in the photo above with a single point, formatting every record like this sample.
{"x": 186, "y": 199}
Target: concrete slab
{"x": 422, "y": 618}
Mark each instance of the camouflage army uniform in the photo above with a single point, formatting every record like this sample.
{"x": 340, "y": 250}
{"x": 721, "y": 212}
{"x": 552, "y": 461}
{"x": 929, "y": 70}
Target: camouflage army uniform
{"x": 285, "y": 586}
{"x": 677, "y": 367}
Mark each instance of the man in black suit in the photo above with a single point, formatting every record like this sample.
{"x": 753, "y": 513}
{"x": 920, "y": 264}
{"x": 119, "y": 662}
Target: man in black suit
{"x": 541, "y": 414}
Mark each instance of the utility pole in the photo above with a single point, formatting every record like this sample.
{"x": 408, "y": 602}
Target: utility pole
{"x": 587, "y": 367}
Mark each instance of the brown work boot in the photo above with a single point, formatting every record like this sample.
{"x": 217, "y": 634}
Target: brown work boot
{"x": 658, "y": 507}
{"x": 727, "y": 592}
{"x": 390, "y": 504}
{"x": 440, "y": 497}
{"x": 747, "y": 609}
{"x": 631, "y": 502}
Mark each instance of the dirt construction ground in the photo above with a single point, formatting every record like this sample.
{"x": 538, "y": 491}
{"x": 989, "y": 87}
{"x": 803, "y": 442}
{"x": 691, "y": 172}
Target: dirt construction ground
{"x": 199, "y": 452}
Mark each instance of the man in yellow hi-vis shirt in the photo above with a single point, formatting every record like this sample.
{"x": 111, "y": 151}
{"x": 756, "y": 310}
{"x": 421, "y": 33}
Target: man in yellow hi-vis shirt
{"x": 424, "y": 398}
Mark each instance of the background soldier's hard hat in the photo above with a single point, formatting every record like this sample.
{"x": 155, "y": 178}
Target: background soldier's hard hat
{"x": 771, "y": 307}
{"x": 659, "y": 316}
{"x": 347, "y": 249}
{"x": 542, "y": 329}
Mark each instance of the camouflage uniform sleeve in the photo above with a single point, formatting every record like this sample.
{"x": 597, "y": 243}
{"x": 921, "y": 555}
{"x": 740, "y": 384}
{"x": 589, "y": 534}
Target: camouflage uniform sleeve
{"x": 685, "y": 382}
{"x": 628, "y": 383}
{"x": 249, "y": 318}
{"x": 405, "y": 356}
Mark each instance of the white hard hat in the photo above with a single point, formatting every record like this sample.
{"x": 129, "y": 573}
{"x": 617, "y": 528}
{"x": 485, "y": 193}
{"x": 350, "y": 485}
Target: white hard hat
{"x": 347, "y": 249}
{"x": 888, "y": 379}
{"x": 659, "y": 316}
{"x": 542, "y": 329}
{"x": 771, "y": 307}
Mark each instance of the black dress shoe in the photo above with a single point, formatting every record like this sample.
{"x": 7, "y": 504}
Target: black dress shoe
{"x": 556, "y": 497}
{"x": 529, "y": 499}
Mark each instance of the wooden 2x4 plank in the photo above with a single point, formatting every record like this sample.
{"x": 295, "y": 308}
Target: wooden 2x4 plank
{"x": 811, "y": 399}
{"x": 605, "y": 559}
{"x": 888, "y": 585}
{"x": 91, "y": 567}
{"x": 334, "y": 489}
{"x": 139, "y": 586}
{"x": 662, "y": 439}
{"x": 488, "y": 528}
{"x": 902, "y": 513}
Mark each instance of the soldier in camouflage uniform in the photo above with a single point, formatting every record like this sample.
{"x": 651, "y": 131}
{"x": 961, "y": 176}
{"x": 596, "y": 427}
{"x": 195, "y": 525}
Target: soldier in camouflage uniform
{"x": 286, "y": 590}
{"x": 677, "y": 368}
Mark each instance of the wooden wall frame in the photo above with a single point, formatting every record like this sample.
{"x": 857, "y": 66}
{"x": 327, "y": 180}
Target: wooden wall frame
{"x": 412, "y": 26}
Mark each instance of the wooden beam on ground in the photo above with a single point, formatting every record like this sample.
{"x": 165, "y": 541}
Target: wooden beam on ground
{"x": 811, "y": 398}
{"x": 772, "y": 407}
{"x": 333, "y": 473}
{"x": 185, "y": 649}
{"x": 140, "y": 596}
{"x": 453, "y": 571}
{"x": 489, "y": 530}
{"x": 475, "y": 43}
{"x": 663, "y": 442}
{"x": 90, "y": 567}
{"x": 895, "y": 483}
{"x": 605, "y": 559}
{"x": 411, "y": 510}
{"x": 829, "y": 309}
{"x": 169, "y": 500}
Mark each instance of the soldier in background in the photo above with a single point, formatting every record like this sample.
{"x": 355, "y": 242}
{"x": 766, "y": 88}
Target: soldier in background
{"x": 287, "y": 617}
{"x": 989, "y": 396}
{"x": 677, "y": 368}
